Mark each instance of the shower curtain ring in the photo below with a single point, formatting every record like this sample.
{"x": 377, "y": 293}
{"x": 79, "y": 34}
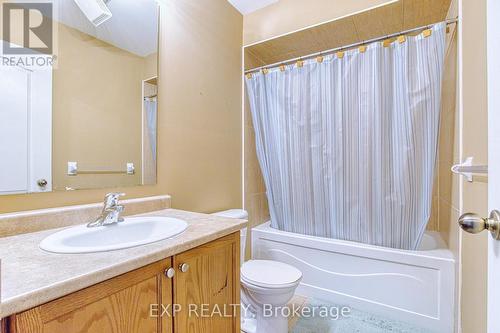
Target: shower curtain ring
{"x": 319, "y": 58}
{"x": 362, "y": 47}
{"x": 387, "y": 41}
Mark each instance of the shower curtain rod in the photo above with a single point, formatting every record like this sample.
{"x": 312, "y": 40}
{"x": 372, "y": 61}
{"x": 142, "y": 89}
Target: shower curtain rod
{"x": 326, "y": 52}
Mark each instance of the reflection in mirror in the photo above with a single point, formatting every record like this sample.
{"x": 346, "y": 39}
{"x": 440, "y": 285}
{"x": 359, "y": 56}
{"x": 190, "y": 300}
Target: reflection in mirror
{"x": 90, "y": 121}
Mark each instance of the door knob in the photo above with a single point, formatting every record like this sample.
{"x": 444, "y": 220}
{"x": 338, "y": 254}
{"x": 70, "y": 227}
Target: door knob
{"x": 170, "y": 272}
{"x": 42, "y": 182}
{"x": 184, "y": 267}
{"x": 473, "y": 223}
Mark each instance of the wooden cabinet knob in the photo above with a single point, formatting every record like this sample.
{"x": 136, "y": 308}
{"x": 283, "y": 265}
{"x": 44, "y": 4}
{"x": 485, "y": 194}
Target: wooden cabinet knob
{"x": 170, "y": 272}
{"x": 184, "y": 267}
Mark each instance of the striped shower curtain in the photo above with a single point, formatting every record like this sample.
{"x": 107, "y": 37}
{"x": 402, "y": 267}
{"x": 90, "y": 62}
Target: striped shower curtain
{"x": 347, "y": 146}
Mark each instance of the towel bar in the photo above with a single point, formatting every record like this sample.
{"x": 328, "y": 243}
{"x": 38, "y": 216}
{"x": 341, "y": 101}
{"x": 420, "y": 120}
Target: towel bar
{"x": 73, "y": 170}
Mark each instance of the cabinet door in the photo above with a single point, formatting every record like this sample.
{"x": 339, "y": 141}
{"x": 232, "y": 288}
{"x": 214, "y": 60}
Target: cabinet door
{"x": 118, "y": 305}
{"x": 208, "y": 293}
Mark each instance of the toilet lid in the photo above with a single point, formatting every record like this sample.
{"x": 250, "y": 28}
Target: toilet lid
{"x": 269, "y": 273}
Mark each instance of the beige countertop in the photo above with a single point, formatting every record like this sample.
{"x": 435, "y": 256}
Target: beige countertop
{"x": 31, "y": 276}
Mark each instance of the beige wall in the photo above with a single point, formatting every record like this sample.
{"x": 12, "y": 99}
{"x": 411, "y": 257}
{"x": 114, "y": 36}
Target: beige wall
{"x": 199, "y": 121}
{"x": 286, "y": 16}
{"x": 446, "y": 199}
{"x": 200, "y": 105}
{"x": 150, "y": 66}
{"x": 475, "y": 143}
{"x": 383, "y": 20}
{"x": 97, "y": 110}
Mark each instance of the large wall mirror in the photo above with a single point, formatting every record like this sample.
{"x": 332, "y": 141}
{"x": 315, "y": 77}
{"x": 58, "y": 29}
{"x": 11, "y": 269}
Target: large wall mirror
{"x": 90, "y": 121}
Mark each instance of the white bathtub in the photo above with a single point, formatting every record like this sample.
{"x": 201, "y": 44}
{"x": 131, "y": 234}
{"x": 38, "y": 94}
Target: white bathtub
{"x": 413, "y": 286}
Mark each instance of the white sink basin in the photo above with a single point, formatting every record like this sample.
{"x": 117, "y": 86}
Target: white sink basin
{"x": 133, "y": 231}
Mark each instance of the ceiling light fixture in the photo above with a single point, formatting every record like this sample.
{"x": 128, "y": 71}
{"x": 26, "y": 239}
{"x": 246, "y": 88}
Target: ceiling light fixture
{"x": 96, "y": 11}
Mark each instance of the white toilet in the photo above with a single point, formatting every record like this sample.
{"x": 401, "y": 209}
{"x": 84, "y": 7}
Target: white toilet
{"x": 266, "y": 285}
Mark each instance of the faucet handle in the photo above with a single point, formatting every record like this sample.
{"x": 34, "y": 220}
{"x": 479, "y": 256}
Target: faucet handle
{"x": 111, "y": 199}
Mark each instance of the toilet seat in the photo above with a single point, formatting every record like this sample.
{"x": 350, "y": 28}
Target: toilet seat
{"x": 270, "y": 274}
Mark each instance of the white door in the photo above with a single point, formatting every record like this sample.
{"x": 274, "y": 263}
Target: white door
{"x": 25, "y": 130}
{"x": 493, "y": 160}
{"x": 14, "y": 130}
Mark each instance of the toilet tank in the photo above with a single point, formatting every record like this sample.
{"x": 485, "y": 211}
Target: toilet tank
{"x": 237, "y": 214}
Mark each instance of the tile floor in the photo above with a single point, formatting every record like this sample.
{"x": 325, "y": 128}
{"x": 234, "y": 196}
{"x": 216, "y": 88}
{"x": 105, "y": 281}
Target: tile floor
{"x": 356, "y": 322}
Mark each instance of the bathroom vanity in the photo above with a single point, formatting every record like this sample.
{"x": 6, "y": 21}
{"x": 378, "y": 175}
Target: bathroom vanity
{"x": 172, "y": 285}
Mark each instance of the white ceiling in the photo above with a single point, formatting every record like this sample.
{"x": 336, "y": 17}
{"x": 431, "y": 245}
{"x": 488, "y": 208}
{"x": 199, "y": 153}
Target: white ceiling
{"x": 133, "y": 26}
{"x": 249, "y": 6}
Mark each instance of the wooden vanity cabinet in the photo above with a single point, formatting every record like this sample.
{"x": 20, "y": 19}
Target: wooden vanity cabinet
{"x": 118, "y": 305}
{"x": 209, "y": 276}
{"x": 209, "y": 289}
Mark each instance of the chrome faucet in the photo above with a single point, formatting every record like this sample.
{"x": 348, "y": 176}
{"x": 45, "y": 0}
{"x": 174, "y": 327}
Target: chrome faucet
{"x": 110, "y": 212}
